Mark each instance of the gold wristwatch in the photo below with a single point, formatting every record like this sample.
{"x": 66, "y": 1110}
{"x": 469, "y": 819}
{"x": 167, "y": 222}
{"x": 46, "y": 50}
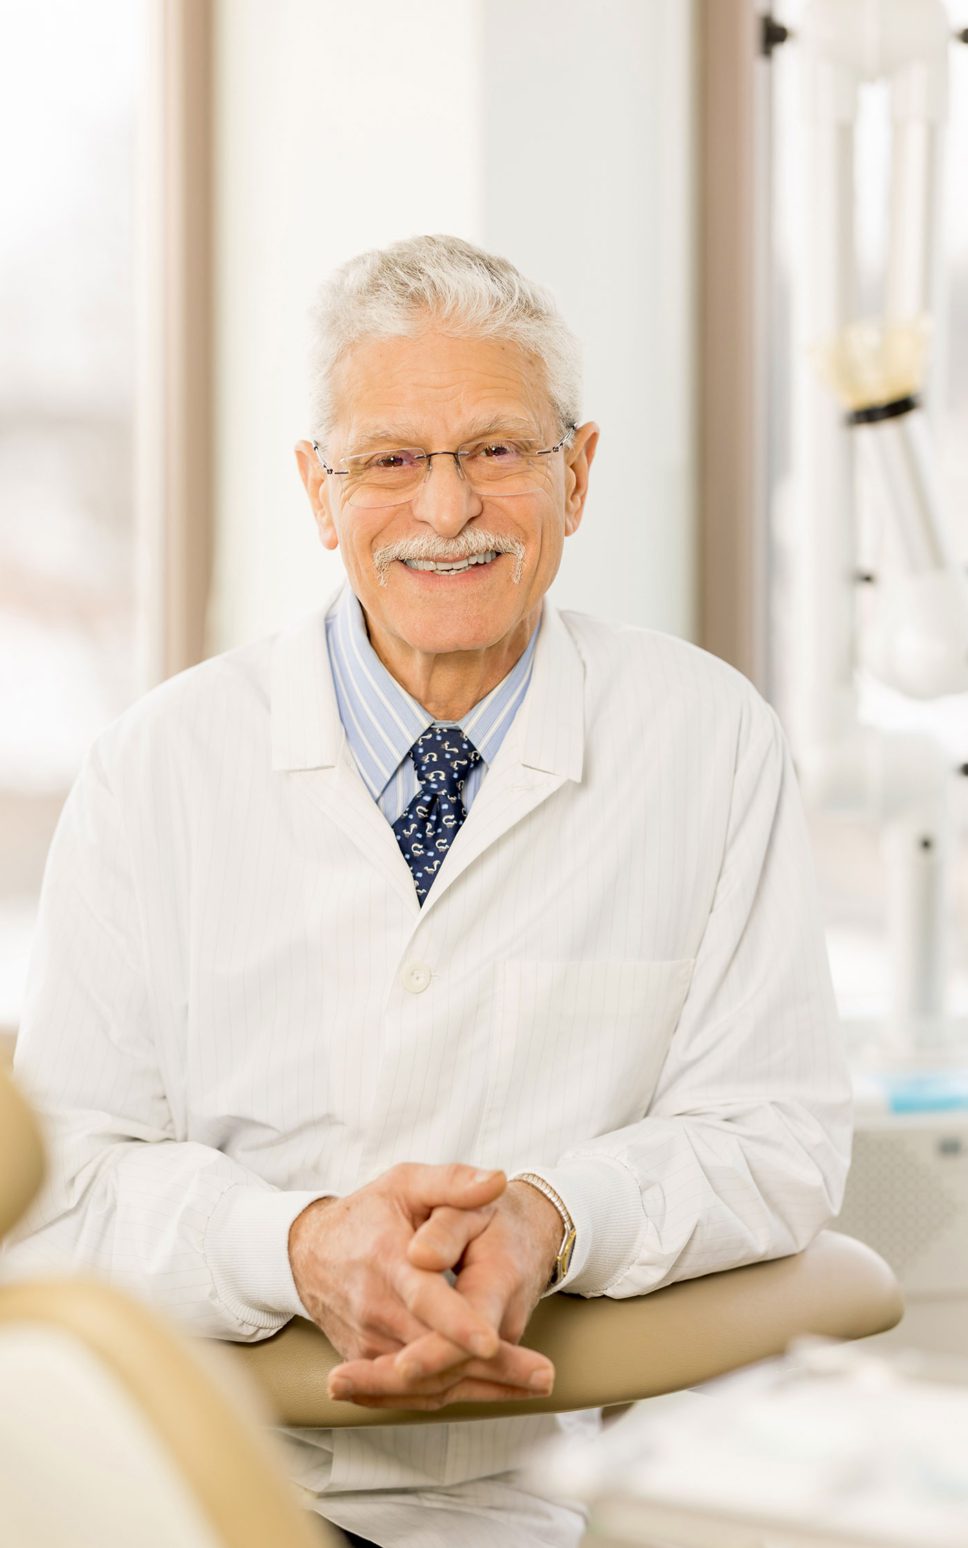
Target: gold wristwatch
{"x": 567, "y": 1248}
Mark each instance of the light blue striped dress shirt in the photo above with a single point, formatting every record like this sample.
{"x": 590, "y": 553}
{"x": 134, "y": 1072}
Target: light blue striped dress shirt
{"x": 382, "y": 721}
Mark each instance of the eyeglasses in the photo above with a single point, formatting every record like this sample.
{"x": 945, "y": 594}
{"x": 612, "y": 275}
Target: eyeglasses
{"x": 498, "y": 465}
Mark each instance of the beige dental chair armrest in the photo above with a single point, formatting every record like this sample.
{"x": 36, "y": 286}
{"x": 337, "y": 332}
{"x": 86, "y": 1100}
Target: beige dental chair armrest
{"x": 609, "y": 1351}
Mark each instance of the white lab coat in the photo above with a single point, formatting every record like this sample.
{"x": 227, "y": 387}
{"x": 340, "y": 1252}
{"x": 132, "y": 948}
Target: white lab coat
{"x": 619, "y": 980}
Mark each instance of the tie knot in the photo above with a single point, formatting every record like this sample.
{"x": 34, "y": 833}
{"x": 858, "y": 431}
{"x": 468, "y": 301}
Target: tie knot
{"x": 443, "y": 757}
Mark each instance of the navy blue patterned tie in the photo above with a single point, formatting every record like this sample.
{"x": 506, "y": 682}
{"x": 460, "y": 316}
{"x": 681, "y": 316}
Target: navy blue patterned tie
{"x": 443, "y": 757}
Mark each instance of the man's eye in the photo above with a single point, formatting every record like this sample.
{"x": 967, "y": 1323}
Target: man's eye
{"x": 496, "y": 451}
{"x": 394, "y": 459}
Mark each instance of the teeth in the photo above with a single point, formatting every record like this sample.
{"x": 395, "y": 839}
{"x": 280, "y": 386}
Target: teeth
{"x": 450, "y": 569}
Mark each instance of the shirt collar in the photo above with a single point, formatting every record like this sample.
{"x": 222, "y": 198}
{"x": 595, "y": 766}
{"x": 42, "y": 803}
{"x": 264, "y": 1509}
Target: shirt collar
{"x": 382, "y": 720}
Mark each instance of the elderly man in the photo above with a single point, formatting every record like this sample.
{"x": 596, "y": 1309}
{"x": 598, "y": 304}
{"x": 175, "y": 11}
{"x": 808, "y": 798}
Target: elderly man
{"x": 443, "y": 951}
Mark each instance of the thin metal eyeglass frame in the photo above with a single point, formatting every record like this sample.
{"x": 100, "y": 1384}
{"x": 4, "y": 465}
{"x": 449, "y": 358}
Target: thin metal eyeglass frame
{"x": 426, "y": 457}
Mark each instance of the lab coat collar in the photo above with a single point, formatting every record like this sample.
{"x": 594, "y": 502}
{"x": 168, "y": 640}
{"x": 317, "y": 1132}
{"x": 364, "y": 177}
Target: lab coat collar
{"x": 552, "y": 719}
{"x": 548, "y": 735}
{"x": 542, "y": 749}
{"x": 306, "y": 729}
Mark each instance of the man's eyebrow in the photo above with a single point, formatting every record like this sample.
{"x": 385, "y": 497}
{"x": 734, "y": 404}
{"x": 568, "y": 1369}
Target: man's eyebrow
{"x": 407, "y": 435}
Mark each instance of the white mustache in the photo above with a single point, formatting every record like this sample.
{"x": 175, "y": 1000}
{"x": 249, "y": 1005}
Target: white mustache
{"x": 430, "y": 546}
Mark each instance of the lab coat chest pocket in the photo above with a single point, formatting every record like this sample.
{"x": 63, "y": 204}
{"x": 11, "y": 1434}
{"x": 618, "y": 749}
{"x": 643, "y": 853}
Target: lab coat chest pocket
{"x": 576, "y": 1050}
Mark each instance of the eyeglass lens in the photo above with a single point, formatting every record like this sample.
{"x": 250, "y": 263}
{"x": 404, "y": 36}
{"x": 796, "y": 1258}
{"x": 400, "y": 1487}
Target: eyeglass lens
{"x": 501, "y": 468}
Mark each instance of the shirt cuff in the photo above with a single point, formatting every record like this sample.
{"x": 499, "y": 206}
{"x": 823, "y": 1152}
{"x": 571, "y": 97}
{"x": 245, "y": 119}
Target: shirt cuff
{"x": 247, "y": 1250}
{"x": 604, "y": 1200}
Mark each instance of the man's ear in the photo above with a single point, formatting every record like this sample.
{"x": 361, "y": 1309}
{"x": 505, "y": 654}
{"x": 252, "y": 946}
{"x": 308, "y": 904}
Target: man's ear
{"x": 578, "y": 459}
{"x": 316, "y": 485}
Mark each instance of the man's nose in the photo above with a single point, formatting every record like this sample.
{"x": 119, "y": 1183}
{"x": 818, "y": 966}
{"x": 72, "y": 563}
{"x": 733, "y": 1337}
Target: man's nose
{"x": 445, "y": 499}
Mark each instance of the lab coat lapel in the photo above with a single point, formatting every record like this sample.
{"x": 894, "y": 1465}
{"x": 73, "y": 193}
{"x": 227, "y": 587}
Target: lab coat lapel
{"x": 309, "y": 747}
{"x": 543, "y": 748}
{"x": 342, "y": 794}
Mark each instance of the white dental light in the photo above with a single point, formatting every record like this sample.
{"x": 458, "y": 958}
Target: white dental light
{"x": 864, "y": 433}
{"x": 918, "y": 642}
{"x": 863, "y": 417}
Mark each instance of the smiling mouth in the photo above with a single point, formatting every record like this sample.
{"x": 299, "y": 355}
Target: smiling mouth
{"x": 450, "y": 567}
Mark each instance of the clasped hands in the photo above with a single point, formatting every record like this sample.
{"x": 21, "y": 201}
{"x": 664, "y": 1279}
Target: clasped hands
{"x": 371, "y": 1271}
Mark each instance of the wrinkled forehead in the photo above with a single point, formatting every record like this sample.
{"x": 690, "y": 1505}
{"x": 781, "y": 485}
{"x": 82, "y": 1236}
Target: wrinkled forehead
{"x": 433, "y": 384}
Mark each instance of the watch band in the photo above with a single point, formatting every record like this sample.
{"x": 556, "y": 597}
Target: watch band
{"x": 567, "y": 1248}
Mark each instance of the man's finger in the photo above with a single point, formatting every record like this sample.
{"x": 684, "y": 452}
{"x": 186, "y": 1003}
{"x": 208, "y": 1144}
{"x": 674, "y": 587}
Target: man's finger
{"x": 395, "y": 1324}
{"x": 357, "y": 1379}
{"x": 488, "y": 1289}
{"x": 444, "y": 1310}
{"x": 467, "y": 1390}
{"x": 440, "y": 1242}
{"x": 380, "y": 1378}
{"x": 433, "y": 1356}
{"x": 464, "y": 1187}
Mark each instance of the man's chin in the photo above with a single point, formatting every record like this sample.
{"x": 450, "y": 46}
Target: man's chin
{"x": 448, "y": 629}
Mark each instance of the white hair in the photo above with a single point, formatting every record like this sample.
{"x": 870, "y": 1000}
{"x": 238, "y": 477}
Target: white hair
{"x": 399, "y": 290}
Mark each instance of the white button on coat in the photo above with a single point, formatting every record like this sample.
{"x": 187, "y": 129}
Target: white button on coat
{"x": 416, "y": 977}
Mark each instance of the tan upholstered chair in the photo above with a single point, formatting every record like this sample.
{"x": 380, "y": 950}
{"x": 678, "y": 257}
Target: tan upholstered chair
{"x": 614, "y": 1352}
{"x": 114, "y": 1430}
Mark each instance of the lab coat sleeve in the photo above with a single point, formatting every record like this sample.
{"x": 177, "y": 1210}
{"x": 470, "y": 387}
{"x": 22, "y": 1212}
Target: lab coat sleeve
{"x": 176, "y": 1222}
{"x": 744, "y": 1151}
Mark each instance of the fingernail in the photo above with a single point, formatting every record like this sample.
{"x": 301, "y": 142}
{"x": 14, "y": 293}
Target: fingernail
{"x": 340, "y": 1389}
{"x": 541, "y": 1382}
{"x": 480, "y": 1177}
{"x": 482, "y": 1344}
{"x": 410, "y": 1370}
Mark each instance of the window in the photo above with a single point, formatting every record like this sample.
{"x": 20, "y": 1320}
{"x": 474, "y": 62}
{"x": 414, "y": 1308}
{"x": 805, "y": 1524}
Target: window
{"x": 70, "y": 78}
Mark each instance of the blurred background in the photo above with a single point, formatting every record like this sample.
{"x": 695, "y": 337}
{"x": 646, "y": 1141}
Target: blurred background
{"x": 179, "y": 175}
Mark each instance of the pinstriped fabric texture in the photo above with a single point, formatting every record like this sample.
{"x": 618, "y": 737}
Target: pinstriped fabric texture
{"x": 236, "y": 1004}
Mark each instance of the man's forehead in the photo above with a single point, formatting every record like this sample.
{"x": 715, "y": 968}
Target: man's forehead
{"x": 406, "y": 385}
{"x": 410, "y": 428}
